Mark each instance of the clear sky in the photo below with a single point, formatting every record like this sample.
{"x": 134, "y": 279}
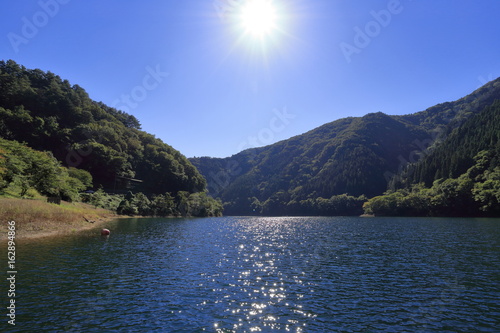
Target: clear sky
{"x": 200, "y": 76}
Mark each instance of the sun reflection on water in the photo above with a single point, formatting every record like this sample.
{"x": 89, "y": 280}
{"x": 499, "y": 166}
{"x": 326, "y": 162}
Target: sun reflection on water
{"x": 263, "y": 288}
{"x": 267, "y": 275}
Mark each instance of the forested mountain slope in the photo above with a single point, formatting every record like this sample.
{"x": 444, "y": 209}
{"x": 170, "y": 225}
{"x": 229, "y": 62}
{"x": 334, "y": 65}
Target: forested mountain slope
{"x": 458, "y": 177}
{"x": 352, "y": 156}
{"x": 330, "y": 170}
{"x": 456, "y": 154}
{"x": 49, "y": 114}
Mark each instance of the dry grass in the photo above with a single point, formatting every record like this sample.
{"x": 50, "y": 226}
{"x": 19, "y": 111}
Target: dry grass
{"x": 38, "y": 218}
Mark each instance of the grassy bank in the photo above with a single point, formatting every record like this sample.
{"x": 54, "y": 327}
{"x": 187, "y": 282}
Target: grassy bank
{"x": 37, "y": 218}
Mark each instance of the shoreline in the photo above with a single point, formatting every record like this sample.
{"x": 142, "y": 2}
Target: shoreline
{"x": 73, "y": 228}
{"x": 38, "y": 219}
{"x": 35, "y": 218}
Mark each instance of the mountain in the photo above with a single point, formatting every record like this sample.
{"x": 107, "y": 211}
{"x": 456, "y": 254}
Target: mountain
{"x": 458, "y": 177}
{"x": 47, "y": 113}
{"x": 341, "y": 161}
{"x": 457, "y": 153}
{"x": 330, "y": 170}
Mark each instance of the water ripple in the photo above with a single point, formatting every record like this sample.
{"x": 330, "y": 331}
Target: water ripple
{"x": 266, "y": 275}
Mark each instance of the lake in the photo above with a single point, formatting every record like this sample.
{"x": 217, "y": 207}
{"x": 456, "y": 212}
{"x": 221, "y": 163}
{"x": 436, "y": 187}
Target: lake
{"x": 263, "y": 274}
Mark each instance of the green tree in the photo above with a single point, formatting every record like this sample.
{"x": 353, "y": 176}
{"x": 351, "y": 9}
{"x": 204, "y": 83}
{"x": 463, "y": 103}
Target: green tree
{"x": 163, "y": 205}
{"x": 102, "y": 199}
{"x": 487, "y": 192}
{"x": 183, "y": 203}
{"x": 82, "y": 175}
{"x": 126, "y": 208}
{"x": 143, "y": 204}
{"x": 201, "y": 205}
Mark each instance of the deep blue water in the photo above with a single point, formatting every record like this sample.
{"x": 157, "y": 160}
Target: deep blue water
{"x": 258, "y": 274}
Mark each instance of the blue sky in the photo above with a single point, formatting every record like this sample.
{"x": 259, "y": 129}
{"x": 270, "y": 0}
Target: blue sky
{"x": 191, "y": 76}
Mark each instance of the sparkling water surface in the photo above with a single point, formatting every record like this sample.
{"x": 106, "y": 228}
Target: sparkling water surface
{"x": 263, "y": 274}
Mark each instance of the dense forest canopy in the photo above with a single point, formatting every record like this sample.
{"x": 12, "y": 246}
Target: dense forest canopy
{"x": 458, "y": 177}
{"x": 50, "y": 114}
{"x": 58, "y": 142}
{"x": 456, "y": 154}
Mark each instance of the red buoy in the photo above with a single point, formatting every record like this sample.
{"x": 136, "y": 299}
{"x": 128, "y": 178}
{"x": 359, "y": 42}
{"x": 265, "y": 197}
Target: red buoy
{"x": 105, "y": 232}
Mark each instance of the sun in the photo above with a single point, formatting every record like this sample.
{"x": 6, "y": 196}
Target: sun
{"x": 258, "y": 18}
{"x": 261, "y": 28}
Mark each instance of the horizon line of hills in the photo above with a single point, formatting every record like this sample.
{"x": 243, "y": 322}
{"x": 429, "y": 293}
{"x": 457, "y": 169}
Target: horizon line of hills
{"x": 372, "y": 164}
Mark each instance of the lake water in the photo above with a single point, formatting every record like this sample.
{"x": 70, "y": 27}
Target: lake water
{"x": 259, "y": 274}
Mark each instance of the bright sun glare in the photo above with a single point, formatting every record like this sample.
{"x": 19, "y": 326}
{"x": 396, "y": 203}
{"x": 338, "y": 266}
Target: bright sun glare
{"x": 258, "y": 17}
